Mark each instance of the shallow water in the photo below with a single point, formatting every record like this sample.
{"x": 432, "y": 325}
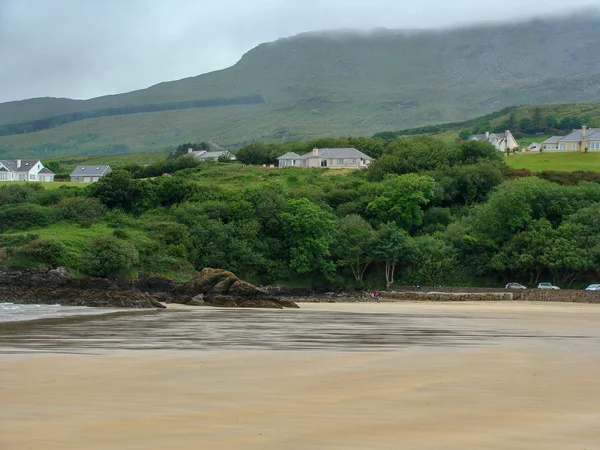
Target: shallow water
{"x": 11, "y": 312}
{"x": 238, "y": 329}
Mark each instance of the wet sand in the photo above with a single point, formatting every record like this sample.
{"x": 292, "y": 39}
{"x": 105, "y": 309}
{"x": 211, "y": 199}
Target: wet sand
{"x": 535, "y": 385}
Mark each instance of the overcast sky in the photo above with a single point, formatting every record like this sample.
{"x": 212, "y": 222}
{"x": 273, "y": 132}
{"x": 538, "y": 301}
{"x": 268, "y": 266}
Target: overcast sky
{"x": 86, "y": 48}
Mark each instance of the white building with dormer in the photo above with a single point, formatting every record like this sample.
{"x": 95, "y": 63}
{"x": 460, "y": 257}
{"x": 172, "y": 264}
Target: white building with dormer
{"x": 501, "y": 141}
{"x": 24, "y": 170}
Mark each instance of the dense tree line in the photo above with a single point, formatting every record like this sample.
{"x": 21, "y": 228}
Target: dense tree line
{"x": 425, "y": 212}
{"x": 56, "y": 121}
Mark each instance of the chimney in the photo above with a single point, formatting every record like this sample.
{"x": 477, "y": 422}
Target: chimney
{"x": 18, "y": 163}
{"x": 190, "y": 150}
{"x": 583, "y": 131}
{"x": 487, "y": 134}
{"x": 315, "y": 151}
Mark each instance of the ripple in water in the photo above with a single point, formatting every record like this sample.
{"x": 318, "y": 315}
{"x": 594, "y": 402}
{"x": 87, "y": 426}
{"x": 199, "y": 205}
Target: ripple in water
{"x": 238, "y": 329}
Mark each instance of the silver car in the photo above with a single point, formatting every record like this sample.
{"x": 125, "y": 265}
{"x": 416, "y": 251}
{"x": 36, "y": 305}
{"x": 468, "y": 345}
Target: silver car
{"x": 514, "y": 286}
{"x": 593, "y": 287}
{"x": 547, "y": 286}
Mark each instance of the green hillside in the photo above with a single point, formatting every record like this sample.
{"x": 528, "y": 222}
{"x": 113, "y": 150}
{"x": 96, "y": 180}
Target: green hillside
{"x": 335, "y": 83}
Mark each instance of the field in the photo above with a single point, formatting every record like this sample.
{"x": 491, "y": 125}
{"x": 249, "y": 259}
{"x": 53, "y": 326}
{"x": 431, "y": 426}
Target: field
{"x": 560, "y": 161}
{"x": 49, "y": 186}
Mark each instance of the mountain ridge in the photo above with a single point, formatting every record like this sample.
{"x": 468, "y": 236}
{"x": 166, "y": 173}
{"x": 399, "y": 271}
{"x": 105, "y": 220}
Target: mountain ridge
{"x": 339, "y": 83}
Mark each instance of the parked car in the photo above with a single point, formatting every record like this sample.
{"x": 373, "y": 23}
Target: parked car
{"x": 514, "y": 286}
{"x": 547, "y": 286}
{"x": 593, "y": 287}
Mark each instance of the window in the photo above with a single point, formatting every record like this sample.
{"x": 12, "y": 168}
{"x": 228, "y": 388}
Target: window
{"x": 562, "y": 146}
{"x": 594, "y": 146}
{"x": 32, "y": 176}
{"x": 340, "y": 162}
{"x": 352, "y": 160}
{"x": 3, "y": 176}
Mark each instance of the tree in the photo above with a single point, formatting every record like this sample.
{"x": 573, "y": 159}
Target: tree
{"x": 54, "y": 166}
{"x": 434, "y": 261}
{"x": 400, "y": 199}
{"x": 173, "y": 190}
{"x": 353, "y": 245}
{"x": 116, "y": 190}
{"x": 258, "y": 154}
{"x": 464, "y": 135}
{"x": 537, "y": 120}
{"x": 309, "y": 232}
{"x": 512, "y": 121}
{"x": 391, "y": 246}
{"x": 526, "y": 125}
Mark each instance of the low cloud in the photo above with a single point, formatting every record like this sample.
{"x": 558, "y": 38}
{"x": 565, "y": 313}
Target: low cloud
{"x": 87, "y": 48}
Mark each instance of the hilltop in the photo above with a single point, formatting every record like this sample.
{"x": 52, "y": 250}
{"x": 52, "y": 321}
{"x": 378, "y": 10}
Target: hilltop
{"x": 335, "y": 83}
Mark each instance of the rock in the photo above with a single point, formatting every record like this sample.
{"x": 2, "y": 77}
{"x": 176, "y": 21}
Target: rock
{"x": 222, "y": 288}
{"x": 198, "y": 300}
{"x": 214, "y": 287}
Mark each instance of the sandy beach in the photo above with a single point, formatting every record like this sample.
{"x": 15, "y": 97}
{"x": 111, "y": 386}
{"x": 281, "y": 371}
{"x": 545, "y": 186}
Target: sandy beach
{"x": 536, "y": 385}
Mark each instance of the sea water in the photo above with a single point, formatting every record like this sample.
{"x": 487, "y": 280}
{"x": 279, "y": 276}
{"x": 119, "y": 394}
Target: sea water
{"x": 12, "y": 312}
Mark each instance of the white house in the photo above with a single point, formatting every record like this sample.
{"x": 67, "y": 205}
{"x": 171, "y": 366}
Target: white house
{"x": 24, "y": 170}
{"x": 203, "y": 155}
{"x": 333, "y": 158}
{"x": 501, "y": 141}
{"x": 89, "y": 174}
{"x": 582, "y": 139}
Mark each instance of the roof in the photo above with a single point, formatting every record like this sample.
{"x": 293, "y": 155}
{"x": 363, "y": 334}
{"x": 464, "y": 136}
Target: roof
{"x": 25, "y": 164}
{"x": 46, "y": 170}
{"x": 553, "y": 140}
{"x": 82, "y": 171}
{"x": 203, "y": 154}
{"x": 592, "y": 134}
{"x": 338, "y": 153}
{"x": 290, "y": 155}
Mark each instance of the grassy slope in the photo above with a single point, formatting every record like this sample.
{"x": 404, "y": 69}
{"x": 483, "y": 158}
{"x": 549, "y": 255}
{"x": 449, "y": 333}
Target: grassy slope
{"x": 338, "y": 84}
{"x": 563, "y": 161}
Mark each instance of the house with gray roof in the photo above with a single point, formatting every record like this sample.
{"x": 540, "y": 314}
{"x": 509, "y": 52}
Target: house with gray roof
{"x": 582, "y": 139}
{"x": 502, "y": 141}
{"x": 203, "y": 155}
{"x": 24, "y": 170}
{"x": 332, "y": 158}
{"x": 89, "y": 174}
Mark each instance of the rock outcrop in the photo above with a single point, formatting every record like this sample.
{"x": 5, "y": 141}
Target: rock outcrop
{"x": 222, "y": 288}
{"x": 211, "y": 287}
{"x": 43, "y": 286}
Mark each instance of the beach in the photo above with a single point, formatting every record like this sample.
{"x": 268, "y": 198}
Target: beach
{"x": 456, "y": 376}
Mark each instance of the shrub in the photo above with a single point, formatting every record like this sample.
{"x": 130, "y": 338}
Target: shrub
{"x": 46, "y": 251}
{"x": 18, "y": 193}
{"x": 25, "y": 216}
{"x": 169, "y": 233}
{"x": 108, "y": 256}
{"x": 82, "y": 210}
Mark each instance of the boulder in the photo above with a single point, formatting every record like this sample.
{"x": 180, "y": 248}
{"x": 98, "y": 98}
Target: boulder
{"x": 198, "y": 300}
{"x": 222, "y": 288}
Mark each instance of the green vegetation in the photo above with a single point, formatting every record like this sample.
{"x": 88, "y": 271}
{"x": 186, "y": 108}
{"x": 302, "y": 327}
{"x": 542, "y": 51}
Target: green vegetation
{"x": 561, "y": 161}
{"x": 336, "y": 84}
{"x": 425, "y": 212}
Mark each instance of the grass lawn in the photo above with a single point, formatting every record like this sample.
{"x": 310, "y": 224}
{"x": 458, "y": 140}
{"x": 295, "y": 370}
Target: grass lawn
{"x": 47, "y": 185}
{"x": 563, "y": 161}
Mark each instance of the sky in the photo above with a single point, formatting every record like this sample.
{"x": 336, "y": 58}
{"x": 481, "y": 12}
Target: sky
{"x": 86, "y": 48}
